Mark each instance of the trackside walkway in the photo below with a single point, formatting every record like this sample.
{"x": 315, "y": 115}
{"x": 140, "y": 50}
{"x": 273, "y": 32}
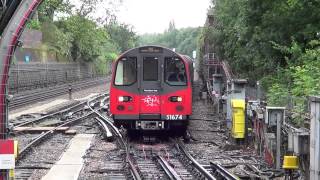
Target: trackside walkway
{"x": 71, "y": 162}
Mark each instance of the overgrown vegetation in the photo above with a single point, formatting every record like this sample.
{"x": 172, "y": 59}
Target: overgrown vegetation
{"x": 275, "y": 41}
{"x": 74, "y": 33}
{"x": 183, "y": 40}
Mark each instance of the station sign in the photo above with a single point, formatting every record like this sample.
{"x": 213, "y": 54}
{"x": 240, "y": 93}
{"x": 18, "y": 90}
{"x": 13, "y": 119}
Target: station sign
{"x": 7, "y": 159}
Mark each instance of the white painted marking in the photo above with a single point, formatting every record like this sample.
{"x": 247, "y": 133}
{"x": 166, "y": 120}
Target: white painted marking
{"x": 87, "y": 97}
{"x": 71, "y": 162}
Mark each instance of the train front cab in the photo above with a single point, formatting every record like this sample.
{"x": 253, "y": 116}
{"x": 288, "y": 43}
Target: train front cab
{"x": 151, "y": 90}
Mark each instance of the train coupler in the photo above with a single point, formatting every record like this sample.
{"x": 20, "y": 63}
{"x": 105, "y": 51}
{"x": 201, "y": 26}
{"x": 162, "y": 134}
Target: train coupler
{"x": 150, "y": 125}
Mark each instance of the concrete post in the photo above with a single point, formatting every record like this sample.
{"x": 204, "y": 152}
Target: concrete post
{"x": 278, "y": 151}
{"x": 315, "y": 138}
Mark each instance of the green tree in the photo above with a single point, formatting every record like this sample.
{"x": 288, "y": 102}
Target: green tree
{"x": 87, "y": 38}
{"x": 274, "y": 41}
{"x": 183, "y": 40}
{"x": 122, "y": 35}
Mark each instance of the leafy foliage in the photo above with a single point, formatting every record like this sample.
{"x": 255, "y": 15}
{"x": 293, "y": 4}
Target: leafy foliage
{"x": 183, "y": 40}
{"x": 34, "y": 24}
{"x": 87, "y": 38}
{"x": 122, "y": 35}
{"x": 274, "y": 41}
{"x": 76, "y": 36}
{"x": 57, "y": 40}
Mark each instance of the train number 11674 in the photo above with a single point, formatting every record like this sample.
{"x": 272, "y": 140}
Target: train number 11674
{"x": 174, "y": 117}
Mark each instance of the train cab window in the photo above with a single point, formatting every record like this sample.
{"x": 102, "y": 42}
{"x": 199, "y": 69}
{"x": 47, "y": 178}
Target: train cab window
{"x": 175, "y": 71}
{"x": 150, "y": 69}
{"x": 126, "y": 73}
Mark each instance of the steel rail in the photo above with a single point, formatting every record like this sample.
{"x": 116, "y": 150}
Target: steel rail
{"x": 15, "y": 125}
{"x": 39, "y": 138}
{"x": 223, "y": 173}
{"x": 107, "y": 120}
{"x": 45, "y": 134}
{"x": 105, "y": 128}
{"x": 79, "y": 104}
{"x": 38, "y": 95}
{"x": 171, "y": 173}
{"x": 200, "y": 168}
{"x": 132, "y": 167}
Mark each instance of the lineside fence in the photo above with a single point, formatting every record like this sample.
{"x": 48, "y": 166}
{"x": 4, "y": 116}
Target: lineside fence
{"x": 32, "y": 76}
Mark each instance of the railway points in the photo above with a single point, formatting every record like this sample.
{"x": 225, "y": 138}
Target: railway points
{"x": 159, "y": 120}
{"x": 112, "y": 151}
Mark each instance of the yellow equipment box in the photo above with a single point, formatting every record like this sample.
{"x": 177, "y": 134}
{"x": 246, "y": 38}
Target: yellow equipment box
{"x": 238, "y": 118}
{"x": 290, "y": 162}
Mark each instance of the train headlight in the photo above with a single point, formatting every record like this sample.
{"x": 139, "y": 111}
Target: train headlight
{"x": 175, "y": 99}
{"x": 124, "y": 98}
{"x": 120, "y": 98}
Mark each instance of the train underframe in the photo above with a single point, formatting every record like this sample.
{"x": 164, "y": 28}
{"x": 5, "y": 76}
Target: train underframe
{"x": 179, "y": 127}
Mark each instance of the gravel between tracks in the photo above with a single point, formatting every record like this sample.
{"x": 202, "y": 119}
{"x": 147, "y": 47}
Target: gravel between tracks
{"x": 102, "y": 161}
{"x": 50, "y": 151}
{"x": 44, "y": 156}
{"x": 211, "y": 144}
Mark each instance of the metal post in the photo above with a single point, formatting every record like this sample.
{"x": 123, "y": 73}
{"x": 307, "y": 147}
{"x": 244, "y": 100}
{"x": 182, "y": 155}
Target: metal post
{"x": 46, "y": 79}
{"x": 18, "y": 73}
{"x": 315, "y": 138}
{"x": 7, "y": 120}
{"x": 258, "y": 91}
{"x": 70, "y": 92}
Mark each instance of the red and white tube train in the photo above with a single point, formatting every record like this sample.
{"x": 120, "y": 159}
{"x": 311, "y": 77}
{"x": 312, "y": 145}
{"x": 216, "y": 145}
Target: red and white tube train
{"x": 151, "y": 89}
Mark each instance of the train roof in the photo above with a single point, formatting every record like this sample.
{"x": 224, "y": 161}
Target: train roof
{"x": 155, "y": 49}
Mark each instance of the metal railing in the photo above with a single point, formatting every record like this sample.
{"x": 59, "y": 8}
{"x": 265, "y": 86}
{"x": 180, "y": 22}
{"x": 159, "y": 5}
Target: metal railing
{"x": 33, "y": 76}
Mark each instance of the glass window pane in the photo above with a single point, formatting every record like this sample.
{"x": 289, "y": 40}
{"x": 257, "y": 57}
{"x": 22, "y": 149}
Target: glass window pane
{"x": 150, "y": 69}
{"x": 175, "y": 71}
{"x": 126, "y": 73}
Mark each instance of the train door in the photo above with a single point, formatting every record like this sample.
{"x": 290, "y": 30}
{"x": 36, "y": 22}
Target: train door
{"x": 150, "y": 86}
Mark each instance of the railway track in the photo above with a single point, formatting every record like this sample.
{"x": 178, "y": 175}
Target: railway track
{"x": 62, "y": 114}
{"x": 131, "y": 160}
{"x": 34, "y": 142}
{"x": 34, "y": 96}
{"x": 170, "y": 160}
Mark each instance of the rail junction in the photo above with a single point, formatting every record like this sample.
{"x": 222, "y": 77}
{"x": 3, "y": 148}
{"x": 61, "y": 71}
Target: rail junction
{"x": 229, "y": 137}
{"x": 112, "y": 154}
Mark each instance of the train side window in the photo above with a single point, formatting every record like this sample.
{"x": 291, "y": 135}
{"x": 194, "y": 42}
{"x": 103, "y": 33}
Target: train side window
{"x": 150, "y": 69}
{"x": 175, "y": 71}
{"x": 126, "y": 73}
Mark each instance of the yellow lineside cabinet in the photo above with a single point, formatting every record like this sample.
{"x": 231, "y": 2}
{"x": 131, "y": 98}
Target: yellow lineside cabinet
{"x": 238, "y": 118}
{"x": 290, "y": 162}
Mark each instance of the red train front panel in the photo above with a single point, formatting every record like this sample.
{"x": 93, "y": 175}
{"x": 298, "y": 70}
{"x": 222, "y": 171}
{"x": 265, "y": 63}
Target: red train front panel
{"x": 151, "y": 89}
